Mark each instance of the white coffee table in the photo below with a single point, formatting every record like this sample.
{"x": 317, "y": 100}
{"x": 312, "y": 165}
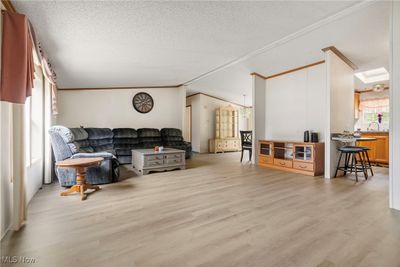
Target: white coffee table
{"x": 147, "y": 160}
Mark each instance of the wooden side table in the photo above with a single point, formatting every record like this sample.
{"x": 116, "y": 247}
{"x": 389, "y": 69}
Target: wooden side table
{"x": 80, "y": 165}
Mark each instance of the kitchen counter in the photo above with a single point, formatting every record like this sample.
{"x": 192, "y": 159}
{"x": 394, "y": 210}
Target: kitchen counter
{"x": 375, "y": 132}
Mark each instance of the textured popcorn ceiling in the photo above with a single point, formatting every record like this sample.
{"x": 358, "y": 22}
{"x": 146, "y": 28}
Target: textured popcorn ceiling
{"x": 131, "y": 43}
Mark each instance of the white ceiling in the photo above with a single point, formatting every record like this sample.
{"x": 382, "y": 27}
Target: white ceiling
{"x": 132, "y": 43}
{"x": 363, "y": 36}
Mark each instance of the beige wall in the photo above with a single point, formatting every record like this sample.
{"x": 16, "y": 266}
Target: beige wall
{"x": 203, "y": 120}
{"x": 339, "y": 106}
{"x": 113, "y": 108}
{"x": 295, "y": 103}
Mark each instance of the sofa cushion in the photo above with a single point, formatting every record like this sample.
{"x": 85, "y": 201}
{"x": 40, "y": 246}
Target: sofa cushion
{"x": 82, "y": 146}
{"x": 125, "y": 133}
{"x": 123, "y": 152}
{"x": 150, "y": 140}
{"x": 79, "y": 134}
{"x": 132, "y": 141}
{"x": 148, "y": 132}
{"x": 100, "y": 142}
{"x": 150, "y": 144}
{"x": 170, "y": 132}
{"x": 128, "y": 146}
{"x": 99, "y": 133}
{"x": 172, "y": 138}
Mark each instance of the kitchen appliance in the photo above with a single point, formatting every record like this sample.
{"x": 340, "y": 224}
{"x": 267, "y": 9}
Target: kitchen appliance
{"x": 314, "y": 137}
{"x": 306, "y": 136}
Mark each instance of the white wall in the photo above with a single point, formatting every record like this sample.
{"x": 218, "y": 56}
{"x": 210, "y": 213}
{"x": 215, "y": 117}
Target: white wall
{"x": 340, "y": 106}
{"x": 113, "y": 108}
{"x": 394, "y": 171}
{"x": 294, "y": 103}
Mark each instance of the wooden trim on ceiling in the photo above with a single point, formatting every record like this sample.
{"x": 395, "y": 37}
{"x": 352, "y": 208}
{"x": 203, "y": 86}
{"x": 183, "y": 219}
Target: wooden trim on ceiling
{"x": 218, "y": 98}
{"x": 369, "y": 90}
{"x": 9, "y": 6}
{"x": 258, "y": 74}
{"x": 341, "y": 56}
{"x": 288, "y": 71}
{"x": 122, "y": 87}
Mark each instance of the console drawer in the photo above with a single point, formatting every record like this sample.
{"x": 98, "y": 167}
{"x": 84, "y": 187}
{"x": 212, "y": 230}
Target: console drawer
{"x": 173, "y": 156}
{"x": 173, "y": 161}
{"x": 153, "y": 157}
{"x": 265, "y": 159}
{"x": 303, "y": 166}
{"x": 153, "y": 163}
{"x": 283, "y": 163}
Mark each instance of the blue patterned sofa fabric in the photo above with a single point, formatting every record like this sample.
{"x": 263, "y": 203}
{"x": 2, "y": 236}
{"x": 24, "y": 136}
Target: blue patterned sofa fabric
{"x": 74, "y": 143}
{"x": 101, "y": 139}
{"x": 58, "y": 137}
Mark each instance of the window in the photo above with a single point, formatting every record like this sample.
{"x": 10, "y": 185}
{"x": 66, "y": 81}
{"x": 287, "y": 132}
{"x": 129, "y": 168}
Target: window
{"x": 33, "y": 120}
{"x": 371, "y": 110}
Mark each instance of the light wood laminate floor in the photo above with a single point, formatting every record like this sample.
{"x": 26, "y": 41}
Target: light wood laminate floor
{"x": 217, "y": 212}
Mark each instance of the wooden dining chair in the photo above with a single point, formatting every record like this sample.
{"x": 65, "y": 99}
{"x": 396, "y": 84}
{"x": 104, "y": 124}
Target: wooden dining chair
{"x": 247, "y": 143}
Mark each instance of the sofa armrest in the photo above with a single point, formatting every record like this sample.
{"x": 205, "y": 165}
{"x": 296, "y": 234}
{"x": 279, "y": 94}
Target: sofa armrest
{"x": 104, "y": 155}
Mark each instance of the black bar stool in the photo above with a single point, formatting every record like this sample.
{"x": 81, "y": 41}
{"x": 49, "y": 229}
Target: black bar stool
{"x": 351, "y": 163}
{"x": 367, "y": 163}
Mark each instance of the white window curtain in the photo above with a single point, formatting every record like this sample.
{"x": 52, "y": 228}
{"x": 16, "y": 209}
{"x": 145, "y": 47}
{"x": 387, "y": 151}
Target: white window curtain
{"x": 374, "y": 111}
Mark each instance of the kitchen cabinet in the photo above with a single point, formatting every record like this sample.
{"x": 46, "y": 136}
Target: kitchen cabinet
{"x": 356, "y": 105}
{"x": 379, "y": 149}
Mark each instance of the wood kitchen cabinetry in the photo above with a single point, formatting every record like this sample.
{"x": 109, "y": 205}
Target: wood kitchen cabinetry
{"x": 305, "y": 158}
{"x": 379, "y": 148}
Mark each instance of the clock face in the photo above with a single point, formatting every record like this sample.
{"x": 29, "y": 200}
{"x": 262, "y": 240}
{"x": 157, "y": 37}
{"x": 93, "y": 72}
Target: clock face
{"x": 143, "y": 102}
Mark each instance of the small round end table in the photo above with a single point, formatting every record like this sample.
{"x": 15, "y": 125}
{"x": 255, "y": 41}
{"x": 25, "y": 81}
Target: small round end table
{"x": 80, "y": 165}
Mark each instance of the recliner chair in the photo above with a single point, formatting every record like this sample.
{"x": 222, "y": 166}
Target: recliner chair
{"x": 74, "y": 143}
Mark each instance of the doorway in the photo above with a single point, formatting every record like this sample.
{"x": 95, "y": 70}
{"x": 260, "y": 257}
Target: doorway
{"x": 188, "y": 124}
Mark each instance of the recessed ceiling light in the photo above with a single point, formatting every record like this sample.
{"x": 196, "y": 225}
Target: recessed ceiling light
{"x": 372, "y": 76}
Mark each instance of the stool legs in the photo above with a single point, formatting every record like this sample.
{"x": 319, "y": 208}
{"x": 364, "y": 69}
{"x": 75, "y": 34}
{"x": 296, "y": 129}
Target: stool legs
{"x": 338, "y": 163}
{"x": 369, "y": 163}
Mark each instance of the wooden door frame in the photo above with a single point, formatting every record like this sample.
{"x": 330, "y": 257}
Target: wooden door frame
{"x": 191, "y": 124}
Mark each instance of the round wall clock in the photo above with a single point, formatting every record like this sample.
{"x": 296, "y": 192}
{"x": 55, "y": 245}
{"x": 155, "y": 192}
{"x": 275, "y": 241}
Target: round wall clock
{"x": 143, "y": 102}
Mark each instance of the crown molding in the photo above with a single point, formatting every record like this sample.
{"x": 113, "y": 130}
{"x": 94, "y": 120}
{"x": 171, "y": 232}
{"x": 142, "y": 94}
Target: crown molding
{"x": 218, "y": 98}
{"x": 116, "y": 88}
{"x": 288, "y": 71}
{"x": 341, "y": 56}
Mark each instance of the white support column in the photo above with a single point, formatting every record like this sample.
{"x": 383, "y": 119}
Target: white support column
{"x": 394, "y": 133}
{"x": 259, "y": 87}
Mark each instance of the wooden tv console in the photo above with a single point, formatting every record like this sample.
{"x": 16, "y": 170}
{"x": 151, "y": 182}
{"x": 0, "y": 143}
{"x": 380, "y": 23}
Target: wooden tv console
{"x": 299, "y": 157}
